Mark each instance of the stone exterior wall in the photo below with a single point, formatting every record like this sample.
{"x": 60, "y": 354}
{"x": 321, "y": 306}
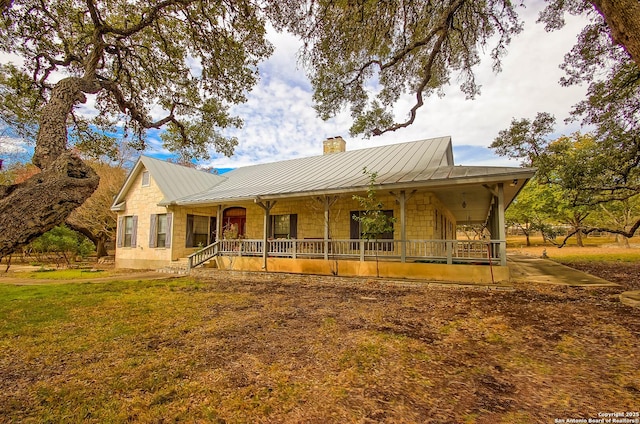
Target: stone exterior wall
{"x": 426, "y": 216}
{"x": 143, "y": 202}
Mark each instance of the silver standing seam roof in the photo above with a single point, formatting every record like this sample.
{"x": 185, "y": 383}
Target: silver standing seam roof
{"x": 174, "y": 181}
{"x": 328, "y": 173}
{"x": 423, "y": 163}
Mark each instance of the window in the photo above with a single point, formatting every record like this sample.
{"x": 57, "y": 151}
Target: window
{"x": 356, "y": 231}
{"x": 145, "y": 179}
{"x": 197, "y": 230}
{"x": 160, "y": 231}
{"x": 284, "y": 226}
{"x": 127, "y": 230}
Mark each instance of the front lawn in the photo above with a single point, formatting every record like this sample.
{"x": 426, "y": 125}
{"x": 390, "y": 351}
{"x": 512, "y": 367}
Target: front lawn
{"x": 313, "y": 349}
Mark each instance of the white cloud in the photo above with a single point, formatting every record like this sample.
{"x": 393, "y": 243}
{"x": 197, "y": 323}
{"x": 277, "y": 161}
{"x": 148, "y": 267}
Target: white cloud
{"x": 280, "y": 122}
{"x": 13, "y": 149}
{"x": 12, "y": 145}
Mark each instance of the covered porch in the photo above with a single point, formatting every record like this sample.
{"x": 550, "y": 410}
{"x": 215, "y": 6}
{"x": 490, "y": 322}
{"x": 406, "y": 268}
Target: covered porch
{"x": 482, "y": 260}
{"x": 473, "y": 262}
{"x": 479, "y": 252}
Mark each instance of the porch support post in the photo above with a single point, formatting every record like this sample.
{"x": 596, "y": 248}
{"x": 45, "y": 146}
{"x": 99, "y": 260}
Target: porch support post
{"x": 265, "y": 234}
{"x": 327, "y": 205}
{"x": 403, "y": 227}
{"x": 402, "y": 201}
{"x": 501, "y": 226}
{"x": 219, "y": 223}
{"x": 327, "y": 201}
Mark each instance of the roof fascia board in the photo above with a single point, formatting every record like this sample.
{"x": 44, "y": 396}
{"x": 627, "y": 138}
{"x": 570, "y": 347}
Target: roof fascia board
{"x": 524, "y": 174}
{"x": 119, "y": 199}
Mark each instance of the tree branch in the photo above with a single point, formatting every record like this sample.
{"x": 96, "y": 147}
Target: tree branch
{"x": 443, "y": 29}
{"x": 147, "y": 20}
{"x": 627, "y": 234}
{"x": 623, "y": 19}
{"x": 43, "y": 201}
{"x": 133, "y": 110}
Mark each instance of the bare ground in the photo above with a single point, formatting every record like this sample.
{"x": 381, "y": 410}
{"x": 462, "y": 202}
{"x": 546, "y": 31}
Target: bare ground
{"x": 317, "y": 349}
{"x": 625, "y": 274}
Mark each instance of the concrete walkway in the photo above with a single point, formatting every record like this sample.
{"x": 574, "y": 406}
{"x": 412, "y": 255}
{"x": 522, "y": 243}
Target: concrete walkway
{"x": 631, "y": 298}
{"x": 537, "y": 270}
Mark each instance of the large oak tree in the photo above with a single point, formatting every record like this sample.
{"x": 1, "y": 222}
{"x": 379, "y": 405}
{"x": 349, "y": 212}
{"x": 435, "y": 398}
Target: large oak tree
{"x": 189, "y": 60}
{"x": 180, "y": 64}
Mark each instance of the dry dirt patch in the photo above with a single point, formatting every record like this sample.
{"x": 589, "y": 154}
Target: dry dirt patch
{"x": 316, "y": 349}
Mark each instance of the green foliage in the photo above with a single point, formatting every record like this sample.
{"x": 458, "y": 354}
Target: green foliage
{"x": 533, "y": 209}
{"x": 19, "y": 102}
{"x": 618, "y": 214}
{"x": 526, "y": 139}
{"x": 61, "y": 242}
{"x": 367, "y": 54}
{"x": 611, "y": 158}
{"x": 191, "y": 59}
{"x": 590, "y": 171}
{"x": 613, "y": 97}
{"x": 374, "y": 222}
{"x": 583, "y": 175}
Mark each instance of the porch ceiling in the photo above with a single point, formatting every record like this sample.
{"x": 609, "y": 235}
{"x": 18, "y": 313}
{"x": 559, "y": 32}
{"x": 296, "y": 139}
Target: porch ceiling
{"x": 476, "y": 198}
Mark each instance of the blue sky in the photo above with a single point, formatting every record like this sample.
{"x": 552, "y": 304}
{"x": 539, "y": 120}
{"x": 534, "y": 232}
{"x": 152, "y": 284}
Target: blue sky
{"x": 280, "y": 122}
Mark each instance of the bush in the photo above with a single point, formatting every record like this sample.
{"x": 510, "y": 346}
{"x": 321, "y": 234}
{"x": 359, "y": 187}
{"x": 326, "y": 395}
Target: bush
{"x": 59, "y": 244}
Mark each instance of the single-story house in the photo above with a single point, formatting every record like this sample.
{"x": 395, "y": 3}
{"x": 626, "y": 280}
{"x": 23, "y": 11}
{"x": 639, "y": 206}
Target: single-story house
{"x": 300, "y": 215}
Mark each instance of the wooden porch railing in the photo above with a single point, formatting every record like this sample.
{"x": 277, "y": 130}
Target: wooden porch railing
{"x": 436, "y": 251}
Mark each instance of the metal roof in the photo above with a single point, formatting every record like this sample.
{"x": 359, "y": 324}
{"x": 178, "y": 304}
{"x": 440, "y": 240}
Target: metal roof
{"x": 174, "y": 181}
{"x": 425, "y": 164}
{"x": 394, "y": 164}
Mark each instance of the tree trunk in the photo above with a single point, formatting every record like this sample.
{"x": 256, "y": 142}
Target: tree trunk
{"x": 52, "y": 134}
{"x": 101, "y": 247}
{"x": 31, "y": 208}
{"x": 623, "y": 19}
{"x": 623, "y": 241}
{"x": 5, "y": 4}
{"x": 579, "y": 241}
{"x": 526, "y": 234}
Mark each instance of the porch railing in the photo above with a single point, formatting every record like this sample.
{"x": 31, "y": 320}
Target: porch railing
{"x": 203, "y": 255}
{"x": 436, "y": 251}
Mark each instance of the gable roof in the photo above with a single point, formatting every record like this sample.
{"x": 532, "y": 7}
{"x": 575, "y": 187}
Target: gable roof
{"x": 396, "y": 163}
{"x": 174, "y": 181}
{"x": 424, "y": 164}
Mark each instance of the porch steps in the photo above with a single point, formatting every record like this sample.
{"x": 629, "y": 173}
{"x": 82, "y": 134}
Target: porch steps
{"x": 210, "y": 264}
{"x": 179, "y": 267}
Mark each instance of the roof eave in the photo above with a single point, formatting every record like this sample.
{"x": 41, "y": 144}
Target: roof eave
{"x": 120, "y": 197}
{"x": 525, "y": 173}
{"x": 119, "y": 207}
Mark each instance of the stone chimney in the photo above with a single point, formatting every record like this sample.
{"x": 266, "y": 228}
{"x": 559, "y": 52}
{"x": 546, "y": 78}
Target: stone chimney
{"x": 334, "y": 145}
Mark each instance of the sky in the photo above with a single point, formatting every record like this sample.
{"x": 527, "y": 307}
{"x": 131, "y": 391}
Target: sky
{"x": 280, "y": 122}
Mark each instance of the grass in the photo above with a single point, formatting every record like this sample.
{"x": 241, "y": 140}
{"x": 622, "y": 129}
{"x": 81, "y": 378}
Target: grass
{"x": 281, "y": 351}
{"x": 61, "y": 274}
{"x": 596, "y": 249}
{"x": 598, "y": 256}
